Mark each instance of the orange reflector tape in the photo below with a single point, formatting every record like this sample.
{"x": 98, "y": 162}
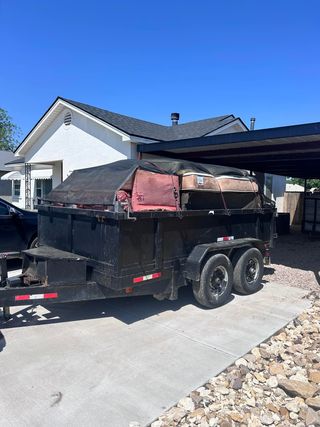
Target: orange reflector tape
{"x": 225, "y": 238}
{"x": 147, "y": 277}
{"x": 36, "y": 296}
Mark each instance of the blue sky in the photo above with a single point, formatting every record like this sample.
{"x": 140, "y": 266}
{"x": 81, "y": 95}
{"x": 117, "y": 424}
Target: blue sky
{"x": 149, "y": 58}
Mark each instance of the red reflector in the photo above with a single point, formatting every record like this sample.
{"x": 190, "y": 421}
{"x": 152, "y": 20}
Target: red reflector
{"x": 147, "y": 277}
{"x": 52, "y": 295}
{"x": 21, "y": 297}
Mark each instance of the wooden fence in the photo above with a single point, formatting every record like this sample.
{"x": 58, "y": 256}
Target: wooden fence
{"x": 293, "y": 203}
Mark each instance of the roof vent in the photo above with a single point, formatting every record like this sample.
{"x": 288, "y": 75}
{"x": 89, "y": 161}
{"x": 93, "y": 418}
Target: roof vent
{"x": 175, "y": 118}
{"x": 252, "y": 123}
{"x": 67, "y": 119}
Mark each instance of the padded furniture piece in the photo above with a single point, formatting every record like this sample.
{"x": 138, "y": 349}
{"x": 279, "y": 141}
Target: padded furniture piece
{"x": 205, "y": 191}
{"x": 237, "y": 185}
{"x": 203, "y": 182}
{"x": 155, "y": 191}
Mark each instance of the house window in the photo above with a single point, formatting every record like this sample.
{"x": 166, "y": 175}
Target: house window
{"x": 42, "y": 187}
{"x": 38, "y": 188}
{"x": 16, "y": 187}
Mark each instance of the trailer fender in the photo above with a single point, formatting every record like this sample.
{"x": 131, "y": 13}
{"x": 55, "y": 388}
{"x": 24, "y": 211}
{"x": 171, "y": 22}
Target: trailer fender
{"x": 199, "y": 253}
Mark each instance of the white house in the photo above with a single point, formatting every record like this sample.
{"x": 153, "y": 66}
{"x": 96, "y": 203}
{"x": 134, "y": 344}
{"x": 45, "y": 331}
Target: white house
{"x": 72, "y": 135}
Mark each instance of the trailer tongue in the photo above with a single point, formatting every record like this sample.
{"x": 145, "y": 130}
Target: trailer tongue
{"x": 138, "y": 228}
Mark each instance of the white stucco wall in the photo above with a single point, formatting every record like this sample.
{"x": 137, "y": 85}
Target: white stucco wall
{"x": 278, "y": 189}
{"x": 82, "y": 144}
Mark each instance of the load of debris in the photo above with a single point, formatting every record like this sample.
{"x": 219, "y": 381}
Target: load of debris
{"x": 159, "y": 185}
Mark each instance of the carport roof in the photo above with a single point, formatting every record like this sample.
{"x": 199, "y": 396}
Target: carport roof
{"x": 289, "y": 150}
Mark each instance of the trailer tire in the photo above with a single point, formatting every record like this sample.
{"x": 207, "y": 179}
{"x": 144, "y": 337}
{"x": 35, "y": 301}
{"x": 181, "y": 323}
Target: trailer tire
{"x": 248, "y": 271}
{"x": 214, "y": 287}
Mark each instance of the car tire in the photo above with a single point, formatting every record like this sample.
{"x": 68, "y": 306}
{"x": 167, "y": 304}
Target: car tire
{"x": 248, "y": 271}
{"x": 214, "y": 287}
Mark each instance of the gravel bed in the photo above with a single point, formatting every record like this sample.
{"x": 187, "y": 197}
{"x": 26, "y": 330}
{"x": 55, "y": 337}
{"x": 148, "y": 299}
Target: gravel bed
{"x": 276, "y": 384}
{"x": 295, "y": 262}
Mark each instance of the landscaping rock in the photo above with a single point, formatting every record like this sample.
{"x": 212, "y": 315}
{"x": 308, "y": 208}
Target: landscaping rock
{"x": 276, "y": 369}
{"x": 264, "y": 353}
{"x": 187, "y": 404}
{"x": 236, "y": 383}
{"x": 298, "y": 388}
{"x": 314, "y": 376}
{"x": 241, "y": 362}
{"x": 272, "y": 382}
{"x": 312, "y": 418}
{"x": 314, "y": 402}
{"x": 293, "y": 406}
{"x": 266, "y": 419}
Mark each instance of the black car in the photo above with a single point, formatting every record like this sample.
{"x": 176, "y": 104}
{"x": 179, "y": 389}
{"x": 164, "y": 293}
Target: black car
{"x": 18, "y": 228}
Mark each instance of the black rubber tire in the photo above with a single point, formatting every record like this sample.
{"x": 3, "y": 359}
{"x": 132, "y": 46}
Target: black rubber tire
{"x": 203, "y": 290}
{"x": 34, "y": 243}
{"x": 241, "y": 260}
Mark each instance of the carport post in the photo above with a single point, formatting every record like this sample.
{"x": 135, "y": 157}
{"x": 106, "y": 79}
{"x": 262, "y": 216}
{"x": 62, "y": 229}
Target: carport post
{"x": 304, "y": 204}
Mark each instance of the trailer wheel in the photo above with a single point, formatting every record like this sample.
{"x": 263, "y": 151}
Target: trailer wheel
{"x": 248, "y": 271}
{"x": 214, "y": 287}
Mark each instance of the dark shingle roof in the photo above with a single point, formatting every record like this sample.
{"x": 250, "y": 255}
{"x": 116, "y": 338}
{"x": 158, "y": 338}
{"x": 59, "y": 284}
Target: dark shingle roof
{"x": 141, "y": 128}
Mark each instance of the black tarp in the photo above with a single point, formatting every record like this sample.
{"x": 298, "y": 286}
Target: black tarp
{"x": 98, "y": 185}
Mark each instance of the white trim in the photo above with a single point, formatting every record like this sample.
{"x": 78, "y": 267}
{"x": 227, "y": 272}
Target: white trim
{"x": 35, "y": 174}
{"x": 11, "y": 175}
{"x": 52, "y": 114}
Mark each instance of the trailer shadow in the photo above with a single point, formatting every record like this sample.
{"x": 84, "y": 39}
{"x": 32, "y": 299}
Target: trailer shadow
{"x": 127, "y": 310}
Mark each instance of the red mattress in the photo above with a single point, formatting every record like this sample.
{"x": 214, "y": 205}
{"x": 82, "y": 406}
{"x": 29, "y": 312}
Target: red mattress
{"x": 154, "y": 191}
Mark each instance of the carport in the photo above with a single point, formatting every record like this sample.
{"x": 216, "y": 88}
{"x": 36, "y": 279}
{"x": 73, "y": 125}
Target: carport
{"x": 292, "y": 151}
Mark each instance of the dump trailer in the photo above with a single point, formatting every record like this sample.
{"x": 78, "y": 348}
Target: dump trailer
{"x": 146, "y": 227}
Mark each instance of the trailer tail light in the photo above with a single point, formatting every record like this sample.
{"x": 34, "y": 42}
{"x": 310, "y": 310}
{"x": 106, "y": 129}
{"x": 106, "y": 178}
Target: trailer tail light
{"x": 36, "y": 296}
{"x": 147, "y": 277}
{"x": 225, "y": 239}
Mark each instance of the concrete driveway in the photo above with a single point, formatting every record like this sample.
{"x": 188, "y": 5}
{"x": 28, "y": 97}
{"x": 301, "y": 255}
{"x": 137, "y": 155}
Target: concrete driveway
{"x": 107, "y": 363}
